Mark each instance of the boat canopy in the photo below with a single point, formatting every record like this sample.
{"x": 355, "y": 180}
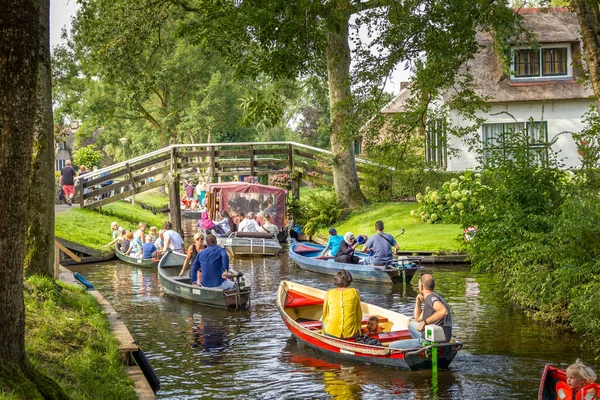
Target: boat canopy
{"x": 241, "y": 197}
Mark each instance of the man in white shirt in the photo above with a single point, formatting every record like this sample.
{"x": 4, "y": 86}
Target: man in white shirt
{"x": 248, "y": 224}
{"x": 172, "y": 238}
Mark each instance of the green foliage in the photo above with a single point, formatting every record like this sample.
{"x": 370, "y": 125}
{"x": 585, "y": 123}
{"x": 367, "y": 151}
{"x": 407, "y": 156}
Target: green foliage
{"x": 87, "y": 156}
{"x": 454, "y": 202}
{"x": 317, "y": 210}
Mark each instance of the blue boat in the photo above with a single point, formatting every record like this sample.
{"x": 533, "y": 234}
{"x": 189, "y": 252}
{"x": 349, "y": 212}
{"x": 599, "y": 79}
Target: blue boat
{"x": 308, "y": 256}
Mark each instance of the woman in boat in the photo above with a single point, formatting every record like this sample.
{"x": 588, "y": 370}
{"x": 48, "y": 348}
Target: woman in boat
{"x": 141, "y": 233}
{"x": 208, "y": 225}
{"x": 342, "y": 315}
{"x": 193, "y": 251}
{"x": 345, "y": 253}
{"x": 226, "y": 222}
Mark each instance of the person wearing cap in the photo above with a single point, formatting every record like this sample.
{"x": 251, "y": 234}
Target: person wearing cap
{"x": 248, "y": 224}
{"x": 345, "y": 253}
{"x": 333, "y": 244}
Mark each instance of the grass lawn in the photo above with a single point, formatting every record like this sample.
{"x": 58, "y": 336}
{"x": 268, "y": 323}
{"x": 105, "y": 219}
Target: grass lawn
{"x": 418, "y": 235}
{"x": 92, "y": 228}
{"x": 153, "y": 199}
{"x": 306, "y": 190}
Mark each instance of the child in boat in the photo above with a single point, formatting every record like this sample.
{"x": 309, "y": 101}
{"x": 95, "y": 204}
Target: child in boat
{"x": 126, "y": 245}
{"x": 580, "y": 383}
{"x": 372, "y": 327}
{"x": 148, "y": 248}
{"x": 160, "y": 242}
{"x": 153, "y": 233}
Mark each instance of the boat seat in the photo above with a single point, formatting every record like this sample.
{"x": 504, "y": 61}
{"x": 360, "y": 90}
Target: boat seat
{"x": 392, "y": 336}
{"x": 297, "y": 299}
{"x": 302, "y": 248}
{"x": 314, "y": 325}
{"x": 254, "y": 235}
{"x": 325, "y": 258}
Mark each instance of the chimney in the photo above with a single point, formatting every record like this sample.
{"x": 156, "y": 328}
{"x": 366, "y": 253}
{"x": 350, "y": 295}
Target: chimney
{"x": 404, "y": 85}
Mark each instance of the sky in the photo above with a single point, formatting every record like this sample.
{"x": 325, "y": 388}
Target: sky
{"x": 61, "y": 12}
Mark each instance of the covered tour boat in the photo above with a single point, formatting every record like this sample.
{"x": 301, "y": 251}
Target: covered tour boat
{"x": 308, "y": 256}
{"x": 168, "y": 275}
{"x": 301, "y": 308}
{"x": 241, "y": 198}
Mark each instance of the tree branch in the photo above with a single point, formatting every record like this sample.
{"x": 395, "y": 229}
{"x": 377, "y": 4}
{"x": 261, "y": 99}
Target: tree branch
{"x": 370, "y": 4}
{"x": 147, "y": 115}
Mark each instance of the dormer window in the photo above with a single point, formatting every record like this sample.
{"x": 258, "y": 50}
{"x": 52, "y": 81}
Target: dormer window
{"x": 550, "y": 61}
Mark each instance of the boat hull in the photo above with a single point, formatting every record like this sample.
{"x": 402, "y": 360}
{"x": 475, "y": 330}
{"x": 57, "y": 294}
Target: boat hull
{"x": 191, "y": 214}
{"x": 360, "y": 272}
{"x": 412, "y": 359}
{"x": 250, "y": 246}
{"x": 149, "y": 263}
{"x": 182, "y": 288}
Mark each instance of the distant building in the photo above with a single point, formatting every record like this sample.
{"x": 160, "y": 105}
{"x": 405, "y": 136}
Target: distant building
{"x": 542, "y": 93}
{"x": 63, "y": 145}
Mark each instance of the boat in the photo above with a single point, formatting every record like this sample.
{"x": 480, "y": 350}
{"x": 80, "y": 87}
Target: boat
{"x": 308, "y": 256}
{"x": 140, "y": 262}
{"x": 243, "y": 197}
{"x": 301, "y": 308}
{"x": 250, "y": 243}
{"x": 168, "y": 276}
{"x": 550, "y": 377}
{"x": 192, "y": 214}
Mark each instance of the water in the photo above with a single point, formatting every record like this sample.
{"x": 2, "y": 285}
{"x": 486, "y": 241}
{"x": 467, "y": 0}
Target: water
{"x": 200, "y": 352}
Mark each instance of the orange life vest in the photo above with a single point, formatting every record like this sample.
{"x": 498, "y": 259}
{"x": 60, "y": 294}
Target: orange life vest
{"x": 564, "y": 392}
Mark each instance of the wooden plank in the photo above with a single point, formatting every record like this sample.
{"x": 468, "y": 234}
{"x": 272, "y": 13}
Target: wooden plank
{"x": 304, "y": 154}
{"x": 175, "y": 204}
{"x": 252, "y": 160}
{"x": 150, "y": 173}
{"x": 128, "y": 193}
{"x": 134, "y": 167}
{"x": 105, "y": 178}
{"x": 67, "y": 251}
{"x": 106, "y": 189}
{"x": 270, "y": 152}
{"x": 189, "y": 154}
{"x": 271, "y": 163}
{"x": 133, "y": 184}
{"x": 232, "y": 153}
{"x": 313, "y": 168}
{"x": 181, "y": 165}
{"x": 213, "y": 167}
{"x": 315, "y": 179}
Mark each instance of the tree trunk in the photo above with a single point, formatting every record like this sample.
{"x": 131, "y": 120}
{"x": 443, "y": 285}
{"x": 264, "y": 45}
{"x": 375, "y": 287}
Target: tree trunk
{"x": 39, "y": 240}
{"x": 19, "y": 63}
{"x": 588, "y": 15}
{"x": 345, "y": 178}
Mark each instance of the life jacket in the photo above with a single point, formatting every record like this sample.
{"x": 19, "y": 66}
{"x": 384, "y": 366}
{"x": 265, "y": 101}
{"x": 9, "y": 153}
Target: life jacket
{"x": 564, "y": 392}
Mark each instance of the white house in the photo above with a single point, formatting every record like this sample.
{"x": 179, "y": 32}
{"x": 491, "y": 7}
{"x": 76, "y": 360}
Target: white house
{"x": 543, "y": 87}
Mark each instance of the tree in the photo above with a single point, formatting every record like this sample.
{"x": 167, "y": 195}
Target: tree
{"x": 39, "y": 241}
{"x": 87, "y": 156}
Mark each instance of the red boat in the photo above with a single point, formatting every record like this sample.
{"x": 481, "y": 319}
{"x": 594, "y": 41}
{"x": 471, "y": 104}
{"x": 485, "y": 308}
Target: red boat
{"x": 301, "y": 308}
{"x": 550, "y": 377}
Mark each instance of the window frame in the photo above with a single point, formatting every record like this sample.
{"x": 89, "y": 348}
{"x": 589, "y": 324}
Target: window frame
{"x": 540, "y": 63}
{"x": 539, "y": 143}
{"x": 436, "y": 143}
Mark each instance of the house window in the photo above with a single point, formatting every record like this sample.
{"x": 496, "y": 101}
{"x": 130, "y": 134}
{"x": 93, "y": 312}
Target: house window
{"x": 496, "y": 140}
{"x": 549, "y": 61}
{"x": 436, "y": 148}
{"x": 358, "y": 146}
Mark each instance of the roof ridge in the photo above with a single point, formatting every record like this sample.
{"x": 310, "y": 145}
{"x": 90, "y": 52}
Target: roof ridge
{"x": 535, "y": 10}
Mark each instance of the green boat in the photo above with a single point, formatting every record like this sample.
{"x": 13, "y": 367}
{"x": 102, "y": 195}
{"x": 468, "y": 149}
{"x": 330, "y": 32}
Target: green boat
{"x": 140, "y": 262}
{"x": 168, "y": 276}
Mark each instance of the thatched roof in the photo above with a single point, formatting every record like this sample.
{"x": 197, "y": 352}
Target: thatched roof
{"x": 552, "y": 25}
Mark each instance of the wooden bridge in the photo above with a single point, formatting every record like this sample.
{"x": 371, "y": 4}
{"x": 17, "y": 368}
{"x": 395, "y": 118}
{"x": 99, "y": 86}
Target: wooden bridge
{"x": 214, "y": 161}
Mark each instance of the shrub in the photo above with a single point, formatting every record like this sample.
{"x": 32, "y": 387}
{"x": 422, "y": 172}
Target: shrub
{"x": 318, "y": 210}
{"x": 87, "y": 156}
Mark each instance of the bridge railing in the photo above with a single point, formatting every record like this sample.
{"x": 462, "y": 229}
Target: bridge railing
{"x": 212, "y": 160}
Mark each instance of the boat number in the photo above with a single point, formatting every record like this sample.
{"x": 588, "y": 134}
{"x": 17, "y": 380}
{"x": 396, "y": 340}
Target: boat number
{"x": 139, "y": 261}
{"x": 196, "y": 291}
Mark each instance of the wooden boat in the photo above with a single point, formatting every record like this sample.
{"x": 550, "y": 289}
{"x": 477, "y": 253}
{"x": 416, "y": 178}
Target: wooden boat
{"x": 192, "y": 214}
{"x": 148, "y": 262}
{"x": 301, "y": 307}
{"x": 550, "y": 377}
{"x": 168, "y": 271}
{"x": 250, "y": 243}
{"x": 308, "y": 256}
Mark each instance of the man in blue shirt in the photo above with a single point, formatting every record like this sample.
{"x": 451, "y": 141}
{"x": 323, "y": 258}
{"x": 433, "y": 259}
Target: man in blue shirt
{"x": 381, "y": 246}
{"x": 334, "y": 243}
{"x": 211, "y": 265}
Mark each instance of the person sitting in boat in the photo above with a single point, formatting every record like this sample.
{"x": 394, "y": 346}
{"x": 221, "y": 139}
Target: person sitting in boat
{"x": 268, "y": 226}
{"x": 248, "y": 224}
{"x": 153, "y": 233}
{"x": 141, "y": 233}
{"x": 114, "y": 227}
{"x": 193, "y": 252}
{"x": 381, "y": 245}
{"x": 435, "y": 312}
{"x": 121, "y": 240}
{"x": 148, "y": 248}
{"x": 342, "y": 314}
{"x": 333, "y": 244}
{"x": 208, "y": 225}
{"x": 226, "y": 223}
{"x": 372, "y": 327}
{"x": 271, "y": 209}
{"x": 345, "y": 253}
{"x": 127, "y": 245}
{"x": 580, "y": 383}
{"x": 211, "y": 266}
{"x": 160, "y": 241}
{"x": 173, "y": 239}
{"x": 136, "y": 247}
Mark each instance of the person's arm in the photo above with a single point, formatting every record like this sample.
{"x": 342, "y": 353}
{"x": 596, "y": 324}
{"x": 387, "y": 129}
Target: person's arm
{"x": 325, "y": 251}
{"x": 359, "y": 313}
{"x": 196, "y": 270}
{"x": 111, "y": 243}
{"x": 167, "y": 241}
{"x": 395, "y": 244}
{"x": 440, "y": 312}
{"x": 224, "y": 262}
{"x": 418, "y": 312}
{"x": 187, "y": 261}
{"x": 143, "y": 237}
{"x": 325, "y": 310}
{"x": 367, "y": 247}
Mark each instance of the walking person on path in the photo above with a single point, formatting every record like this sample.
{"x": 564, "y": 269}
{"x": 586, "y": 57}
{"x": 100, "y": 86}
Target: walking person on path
{"x": 67, "y": 182}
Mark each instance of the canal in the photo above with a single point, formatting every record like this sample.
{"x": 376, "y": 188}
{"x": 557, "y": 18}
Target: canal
{"x": 200, "y": 352}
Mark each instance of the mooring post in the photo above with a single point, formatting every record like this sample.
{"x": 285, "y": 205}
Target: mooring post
{"x": 174, "y": 195}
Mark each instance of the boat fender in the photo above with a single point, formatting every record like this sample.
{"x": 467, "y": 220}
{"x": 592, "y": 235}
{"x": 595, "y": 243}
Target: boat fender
{"x": 84, "y": 282}
{"x": 149, "y": 374}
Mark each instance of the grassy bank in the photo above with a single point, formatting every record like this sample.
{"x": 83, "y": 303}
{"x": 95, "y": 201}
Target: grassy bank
{"x": 68, "y": 338}
{"x": 91, "y": 228}
{"x": 418, "y": 236}
{"x": 153, "y": 199}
